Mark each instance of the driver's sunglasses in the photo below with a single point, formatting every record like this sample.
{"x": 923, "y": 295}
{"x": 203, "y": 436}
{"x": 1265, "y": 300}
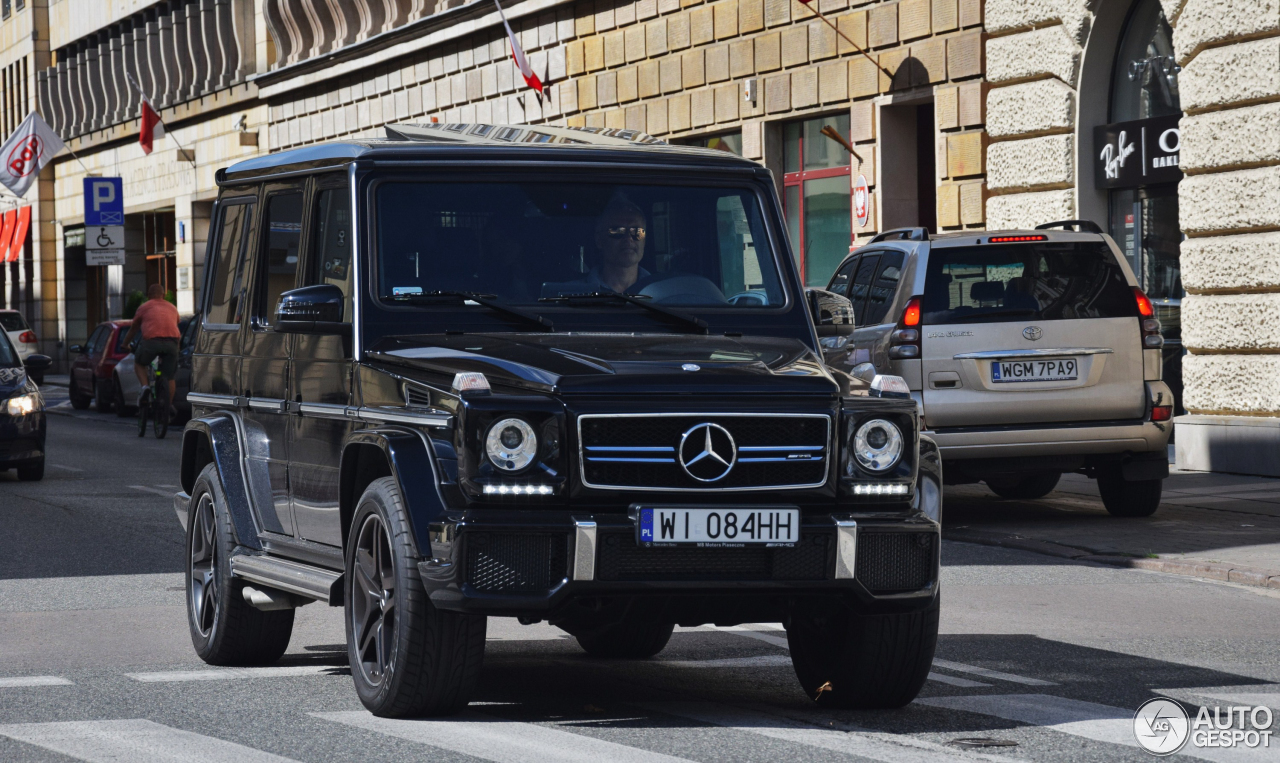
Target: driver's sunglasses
{"x": 618, "y": 234}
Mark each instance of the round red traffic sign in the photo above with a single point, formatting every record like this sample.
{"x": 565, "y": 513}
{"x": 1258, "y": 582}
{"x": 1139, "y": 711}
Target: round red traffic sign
{"x": 861, "y": 201}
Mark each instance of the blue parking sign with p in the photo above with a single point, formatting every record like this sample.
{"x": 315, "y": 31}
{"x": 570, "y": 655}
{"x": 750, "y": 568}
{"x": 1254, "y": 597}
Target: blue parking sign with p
{"x": 103, "y": 201}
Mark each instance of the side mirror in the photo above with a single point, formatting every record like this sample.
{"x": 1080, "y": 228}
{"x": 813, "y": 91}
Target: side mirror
{"x": 312, "y": 310}
{"x": 76, "y": 349}
{"x": 832, "y": 314}
{"x": 38, "y": 363}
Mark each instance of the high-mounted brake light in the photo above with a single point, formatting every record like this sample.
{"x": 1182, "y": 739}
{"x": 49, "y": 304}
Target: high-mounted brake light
{"x": 1144, "y": 304}
{"x": 1015, "y": 239}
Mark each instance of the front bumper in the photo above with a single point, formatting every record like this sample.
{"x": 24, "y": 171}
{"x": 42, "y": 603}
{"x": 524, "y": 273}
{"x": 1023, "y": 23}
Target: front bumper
{"x": 532, "y": 564}
{"x": 22, "y": 439}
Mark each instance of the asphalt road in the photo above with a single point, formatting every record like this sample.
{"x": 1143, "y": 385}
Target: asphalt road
{"x": 96, "y": 662}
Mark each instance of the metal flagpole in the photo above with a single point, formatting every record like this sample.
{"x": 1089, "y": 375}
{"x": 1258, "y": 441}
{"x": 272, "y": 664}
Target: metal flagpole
{"x": 856, "y": 46}
{"x": 181, "y": 148}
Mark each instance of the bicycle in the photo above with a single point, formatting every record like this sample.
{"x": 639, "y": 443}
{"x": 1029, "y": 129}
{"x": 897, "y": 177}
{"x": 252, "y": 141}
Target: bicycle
{"x": 155, "y": 396}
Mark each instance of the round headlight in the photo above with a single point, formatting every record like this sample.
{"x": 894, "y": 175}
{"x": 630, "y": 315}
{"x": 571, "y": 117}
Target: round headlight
{"x": 511, "y": 444}
{"x": 877, "y": 445}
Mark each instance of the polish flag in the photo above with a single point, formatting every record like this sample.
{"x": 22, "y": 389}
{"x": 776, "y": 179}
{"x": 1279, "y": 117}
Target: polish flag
{"x": 517, "y": 53}
{"x": 152, "y": 127}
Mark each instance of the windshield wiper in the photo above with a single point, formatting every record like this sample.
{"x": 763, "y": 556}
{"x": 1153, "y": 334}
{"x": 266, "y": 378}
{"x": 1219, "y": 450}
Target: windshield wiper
{"x": 675, "y": 315}
{"x": 487, "y": 300}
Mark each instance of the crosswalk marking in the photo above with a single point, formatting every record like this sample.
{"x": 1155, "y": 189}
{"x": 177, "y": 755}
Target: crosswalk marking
{"x": 1089, "y": 720}
{"x": 765, "y": 661}
{"x": 960, "y": 667}
{"x": 133, "y": 740}
{"x": 1267, "y": 695}
{"x": 19, "y": 682}
{"x": 742, "y": 630}
{"x": 963, "y": 683}
{"x": 880, "y": 747}
{"x": 500, "y": 741}
{"x": 224, "y": 674}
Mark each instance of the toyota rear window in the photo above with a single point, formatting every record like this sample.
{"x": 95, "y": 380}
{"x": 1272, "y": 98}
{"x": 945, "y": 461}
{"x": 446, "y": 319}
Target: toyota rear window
{"x": 1017, "y": 282}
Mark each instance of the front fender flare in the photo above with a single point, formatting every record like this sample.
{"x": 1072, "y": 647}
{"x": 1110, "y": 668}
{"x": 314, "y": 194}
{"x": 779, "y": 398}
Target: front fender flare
{"x": 216, "y": 438}
{"x": 412, "y": 466}
{"x": 930, "y": 468}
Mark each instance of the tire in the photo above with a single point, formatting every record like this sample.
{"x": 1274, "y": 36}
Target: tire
{"x": 629, "y": 639}
{"x": 101, "y": 401}
{"x": 1123, "y": 498}
{"x": 161, "y": 417}
{"x": 867, "y": 662}
{"x": 122, "y": 407}
{"x": 1024, "y": 487}
{"x": 225, "y": 629}
{"x": 407, "y": 657}
{"x": 32, "y": 473}
{"x": 144, "y": 409}
{"x": 78, "y": 401}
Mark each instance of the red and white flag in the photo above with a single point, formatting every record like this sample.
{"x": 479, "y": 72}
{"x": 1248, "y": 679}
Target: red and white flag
{"x": 517, "y": 53}
{"x": 31, "y": 146}
{"x": 152, "y": 127}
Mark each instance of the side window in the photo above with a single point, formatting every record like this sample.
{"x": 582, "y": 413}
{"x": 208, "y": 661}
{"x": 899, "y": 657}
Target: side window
{"x": 331, "y": 260}
{"x": 278, "y": 270}
{"x": 860, "y": 286}
{"x": 883, "y": 288}
{"x": 228, "y": 276}
{"x": 96, "y": 339}
{"x": 840, "y": 281}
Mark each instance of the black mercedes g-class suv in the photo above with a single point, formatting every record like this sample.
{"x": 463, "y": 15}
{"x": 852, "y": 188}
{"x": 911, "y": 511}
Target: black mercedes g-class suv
{"x": 544, "y": 373}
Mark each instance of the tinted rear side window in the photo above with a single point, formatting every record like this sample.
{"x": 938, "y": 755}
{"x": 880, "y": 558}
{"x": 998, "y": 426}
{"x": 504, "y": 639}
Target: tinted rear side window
{"x": 1018, "y": 282}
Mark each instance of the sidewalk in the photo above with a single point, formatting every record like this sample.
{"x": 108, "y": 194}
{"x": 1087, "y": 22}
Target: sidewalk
{"x": 1216, "y": 526}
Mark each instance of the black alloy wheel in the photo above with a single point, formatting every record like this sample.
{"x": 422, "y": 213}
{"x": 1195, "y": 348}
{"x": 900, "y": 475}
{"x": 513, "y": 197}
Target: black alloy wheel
{"x": 373, "y": 601}
{"x": 203, "y": 589}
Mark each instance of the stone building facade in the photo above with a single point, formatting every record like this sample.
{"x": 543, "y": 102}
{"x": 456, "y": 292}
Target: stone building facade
{"x": 962, "y": 114}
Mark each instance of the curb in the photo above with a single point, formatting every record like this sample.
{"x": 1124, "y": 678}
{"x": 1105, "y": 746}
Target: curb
{"x": 1253, "y": 576}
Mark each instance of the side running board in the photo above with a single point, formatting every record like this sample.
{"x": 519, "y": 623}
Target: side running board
{"x": 294, "y": 577}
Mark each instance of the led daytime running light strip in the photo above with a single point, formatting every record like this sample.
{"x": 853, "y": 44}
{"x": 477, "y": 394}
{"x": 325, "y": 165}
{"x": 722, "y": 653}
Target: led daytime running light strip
{"x": 518, "y": 489}
{"x": 881, "y": 488}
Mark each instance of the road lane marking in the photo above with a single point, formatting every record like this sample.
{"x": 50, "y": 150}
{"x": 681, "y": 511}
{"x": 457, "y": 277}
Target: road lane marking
{"x": 226, "y": 674}
{"x": 20, "y": 682}
{"x": 115, "y": 741}
{"x": 1089, "y": 720}
{"x": 765, "y": 661}
{"x": 963, "y": 683}
{"x": 1264, "y": 694}
{"x": 960, "y": 667}
{"x": 67, "y": 468}
{"x": 742, "y": 630}
{"x": 887, "y": 748}
{"x": 156, "y": 490}
{"x": 501, "y": 741}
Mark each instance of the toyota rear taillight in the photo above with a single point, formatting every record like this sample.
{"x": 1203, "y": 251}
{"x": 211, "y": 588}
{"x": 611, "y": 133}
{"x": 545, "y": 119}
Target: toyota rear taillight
{"x": 904, "y": 342}
{"x": 1152, "y": 339}
{"x": 27, "y": 337}
{"x": 1144, "y": 304}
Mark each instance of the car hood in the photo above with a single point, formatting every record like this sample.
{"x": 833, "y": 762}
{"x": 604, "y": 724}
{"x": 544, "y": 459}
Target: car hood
{"x": 617, "y": 363}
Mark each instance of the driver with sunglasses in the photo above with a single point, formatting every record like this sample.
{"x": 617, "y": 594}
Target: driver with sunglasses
{"x": 619, "y": 236}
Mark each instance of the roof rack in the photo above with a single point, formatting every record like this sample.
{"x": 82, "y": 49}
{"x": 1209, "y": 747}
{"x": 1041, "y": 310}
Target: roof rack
{"x": 902, "y": 234}
{"x": 1082, "y": 226}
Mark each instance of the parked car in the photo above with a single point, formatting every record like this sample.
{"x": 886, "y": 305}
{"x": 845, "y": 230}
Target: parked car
{"x": 22, "y": 417}
{"x": 124, "y": 381}
{"x": 1031, "y": 353}
{"x": 23, "y": 338}
{"x": 416, "y": 397}
{"x": 91, "y": 379}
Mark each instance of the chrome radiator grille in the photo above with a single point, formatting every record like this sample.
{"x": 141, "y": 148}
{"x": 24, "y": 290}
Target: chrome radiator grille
{"x": 704, "y": 451}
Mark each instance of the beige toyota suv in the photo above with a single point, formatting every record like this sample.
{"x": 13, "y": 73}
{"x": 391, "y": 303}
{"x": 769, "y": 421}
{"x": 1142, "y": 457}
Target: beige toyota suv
{"x": 1030, "y": 354}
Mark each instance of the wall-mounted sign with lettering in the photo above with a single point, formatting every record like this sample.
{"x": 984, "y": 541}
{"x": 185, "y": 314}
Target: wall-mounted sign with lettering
{"x": 1138, "y": 153}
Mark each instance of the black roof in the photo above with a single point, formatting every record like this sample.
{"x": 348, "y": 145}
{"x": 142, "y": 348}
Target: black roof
{"x": 476, "y": 141}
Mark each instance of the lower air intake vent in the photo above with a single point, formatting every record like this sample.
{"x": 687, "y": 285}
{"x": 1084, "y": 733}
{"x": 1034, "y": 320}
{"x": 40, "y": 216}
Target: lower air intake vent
{"x": 509, "y": 563}
{"x": 895, "y": 562}
{"x": 622, "y": 559}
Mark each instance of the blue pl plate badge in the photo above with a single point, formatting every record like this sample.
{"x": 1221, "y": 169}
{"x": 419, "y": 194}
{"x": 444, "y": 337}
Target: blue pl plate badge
{"x": 995, "y": 371}
{"x": 646, "y": 525}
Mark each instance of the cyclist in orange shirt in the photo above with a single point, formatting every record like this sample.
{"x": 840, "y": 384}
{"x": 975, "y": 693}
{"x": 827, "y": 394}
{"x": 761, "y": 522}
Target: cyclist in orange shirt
{"x": 157, "y": 319}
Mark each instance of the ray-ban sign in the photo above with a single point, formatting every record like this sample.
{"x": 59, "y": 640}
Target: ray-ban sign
{"x": 1138, "y": 153}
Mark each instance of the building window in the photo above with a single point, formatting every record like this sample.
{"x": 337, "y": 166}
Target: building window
{"x": 817, "y": 196}
{"x": 729, "y": 141}
{"x": 6, "y": 8}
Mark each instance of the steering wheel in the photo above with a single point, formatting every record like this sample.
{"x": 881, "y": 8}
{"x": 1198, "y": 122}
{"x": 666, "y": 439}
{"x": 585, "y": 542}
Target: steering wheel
{"x": 685, "y": 289}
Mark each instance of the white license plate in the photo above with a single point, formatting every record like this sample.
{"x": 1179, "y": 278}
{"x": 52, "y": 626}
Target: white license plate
{"x": 719, "y": 527}
{"x": 1049, "y": 370}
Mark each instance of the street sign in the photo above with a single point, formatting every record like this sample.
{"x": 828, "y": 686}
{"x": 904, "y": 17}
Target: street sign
{"x": 861, "y": 201}
{"x": 103, "y": 202}
{"x": 104, "y": 245}
{"x": 104, "y": 221}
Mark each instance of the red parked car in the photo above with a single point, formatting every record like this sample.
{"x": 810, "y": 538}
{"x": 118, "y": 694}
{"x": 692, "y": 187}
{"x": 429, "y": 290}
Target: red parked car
{"x": 91, "y": 378}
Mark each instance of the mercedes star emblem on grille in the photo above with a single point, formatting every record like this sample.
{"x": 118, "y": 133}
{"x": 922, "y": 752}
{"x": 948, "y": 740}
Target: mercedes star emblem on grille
{"x": 1032, "y": 332}
{"x": 707, "y": 452}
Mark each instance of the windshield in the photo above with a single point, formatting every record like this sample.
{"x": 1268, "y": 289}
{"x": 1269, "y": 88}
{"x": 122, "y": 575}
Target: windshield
{"x": 1019, "y": 282}
{"x": 541, "y": 243}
